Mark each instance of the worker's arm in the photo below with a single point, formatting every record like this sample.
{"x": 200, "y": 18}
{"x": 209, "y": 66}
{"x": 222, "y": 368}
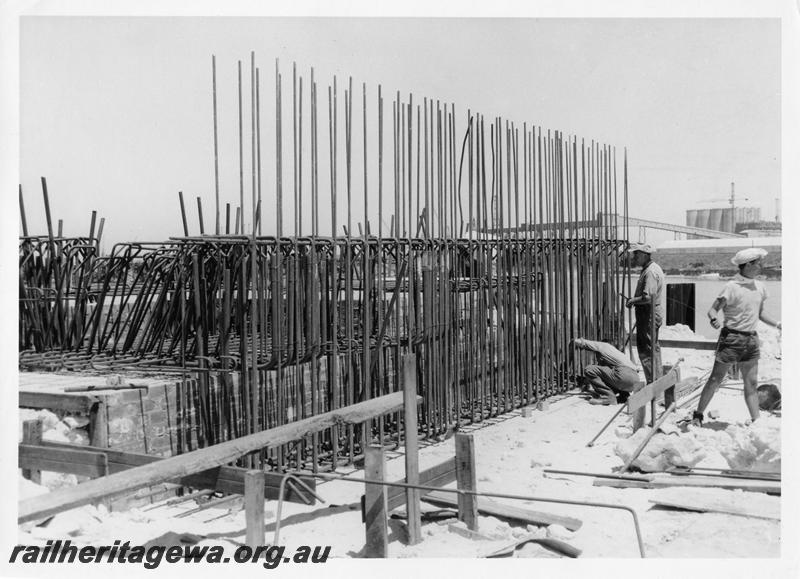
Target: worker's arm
{"x": 641, "y": 300}
{"x": 585, "y": 344}
{"x": 650, "y": 289}
{"x": 714, "y": 310}
{"x": 607, "y": 354}
{"x": 768, "y": 319}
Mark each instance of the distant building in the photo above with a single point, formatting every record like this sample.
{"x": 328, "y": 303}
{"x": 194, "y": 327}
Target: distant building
{"x": 699, "y": 256}
{"x": 760, "y": 228}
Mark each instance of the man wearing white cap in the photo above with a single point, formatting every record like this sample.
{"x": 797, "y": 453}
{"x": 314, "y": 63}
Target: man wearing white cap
{"x": 742, "y": 303}
{"x": 649, "y": 292}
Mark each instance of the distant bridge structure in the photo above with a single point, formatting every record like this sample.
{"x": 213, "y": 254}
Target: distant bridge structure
{"x": 607, "y": 221}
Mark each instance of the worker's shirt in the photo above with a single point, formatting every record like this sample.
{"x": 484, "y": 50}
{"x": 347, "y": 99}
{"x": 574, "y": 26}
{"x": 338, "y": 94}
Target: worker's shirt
{"x": 607, "y": 355}
{"x": 744, "y": 299}
{"x": 651, "y": 283}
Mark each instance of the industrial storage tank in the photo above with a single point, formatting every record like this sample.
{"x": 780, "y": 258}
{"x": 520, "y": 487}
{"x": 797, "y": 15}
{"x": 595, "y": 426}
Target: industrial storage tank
{"x": 719, "y": 219}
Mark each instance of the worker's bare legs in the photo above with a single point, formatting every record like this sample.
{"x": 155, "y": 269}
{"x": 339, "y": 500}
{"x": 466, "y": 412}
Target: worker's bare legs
{"x": 750, "y": 377}
{"x": 717, "y": 376}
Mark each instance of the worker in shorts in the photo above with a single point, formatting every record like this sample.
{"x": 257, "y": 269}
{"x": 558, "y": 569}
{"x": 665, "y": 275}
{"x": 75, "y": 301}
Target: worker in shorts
{"x": 614, "y": 376}
{"x": 742, "y": 304}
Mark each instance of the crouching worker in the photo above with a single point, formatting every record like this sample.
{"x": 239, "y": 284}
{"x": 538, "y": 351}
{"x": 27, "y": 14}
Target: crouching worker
{"x": 613, "y": 377}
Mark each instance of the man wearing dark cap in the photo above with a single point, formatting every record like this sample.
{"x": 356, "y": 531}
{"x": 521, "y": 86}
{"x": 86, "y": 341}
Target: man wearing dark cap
{"x": 613, "y": 377}
{"x": 649, "y": 309}
{"x": 742, "y": 304}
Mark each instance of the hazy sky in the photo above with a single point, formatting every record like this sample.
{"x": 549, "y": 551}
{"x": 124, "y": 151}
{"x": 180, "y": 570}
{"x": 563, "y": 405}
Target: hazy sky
{"x": 117, "y": 112}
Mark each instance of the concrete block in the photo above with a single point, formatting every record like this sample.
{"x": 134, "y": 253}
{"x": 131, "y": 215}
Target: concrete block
{"x": 148, "y": 405}
{"x": 156, "y": 418}
{"x": 134, "y": 395}
{"x": 129, "y": 410}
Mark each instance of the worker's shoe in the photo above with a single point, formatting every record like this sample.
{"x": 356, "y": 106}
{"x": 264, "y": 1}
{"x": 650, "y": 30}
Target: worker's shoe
{"x": 604, "y": 400}
{"x": 697, "y": 419}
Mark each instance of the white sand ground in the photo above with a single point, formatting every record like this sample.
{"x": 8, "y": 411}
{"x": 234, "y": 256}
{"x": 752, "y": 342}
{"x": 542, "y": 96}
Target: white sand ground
{"x": 512, "y": 454}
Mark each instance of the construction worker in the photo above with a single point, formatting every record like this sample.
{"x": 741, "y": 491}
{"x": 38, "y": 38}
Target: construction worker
{"x": 614, "y": 376}
{"x": 742, "y": 304}
{"x": 649, "y": 287}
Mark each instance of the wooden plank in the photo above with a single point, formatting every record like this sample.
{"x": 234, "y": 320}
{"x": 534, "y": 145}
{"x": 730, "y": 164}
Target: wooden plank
{"x": 199, "y": 460}
{"x": 226, "y": 479}
{"x": 622, "y": 483}
{"x": 80, "y": 469}
{"x": 689, "y": 344}
{"x": 79, "y": 462}
{"x": 32, "y": 435}
{"x": 436, "y": 476}
{"x": 761, "y": 486}
{"x": 466, "y": 480}
{"x": 707, "y": 500}
{"x": 440, "y": 475}
{"x": 652, "y": 391}
{"x": 73, "y": 403}
{"x": 768, "y": 487}
{"x": 377, "y": 528}
{"x": 414, "y": 520}
{"x": 254, "y": 508}
{"x": 692, "y": 504}
{"x": 503, "y": 511}
{"x": 554, "y": 545}
{"x": 466, "y": 533}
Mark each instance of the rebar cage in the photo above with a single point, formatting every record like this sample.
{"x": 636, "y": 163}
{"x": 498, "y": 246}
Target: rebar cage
{"x": 493, "y": 260}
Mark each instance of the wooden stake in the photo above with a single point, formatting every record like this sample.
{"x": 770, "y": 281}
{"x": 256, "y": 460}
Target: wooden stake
{"x": 466, "y": 480}
{"x": 98, "y": 425}
{"x": 377, "y": 545}
{"x": 412, "y": 448}
{"x": 254, "y": 507}
{"x": 32, "y": 434}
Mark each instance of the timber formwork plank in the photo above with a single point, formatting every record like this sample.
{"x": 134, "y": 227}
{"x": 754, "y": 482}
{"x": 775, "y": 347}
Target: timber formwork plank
{"x": 72, "y": 403}
{"x": 689, "y": 344}
{"x": 200, "y": 460}
{"x": 67, "y": 460}
{"x": 502, "y": 511}
{"x": 436, "y": 476}
{"x": 704, "y": 504}
{"x": 653, "y": 390}
{"x": 86, "y": 461}
{"x": 667, "y": 481}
